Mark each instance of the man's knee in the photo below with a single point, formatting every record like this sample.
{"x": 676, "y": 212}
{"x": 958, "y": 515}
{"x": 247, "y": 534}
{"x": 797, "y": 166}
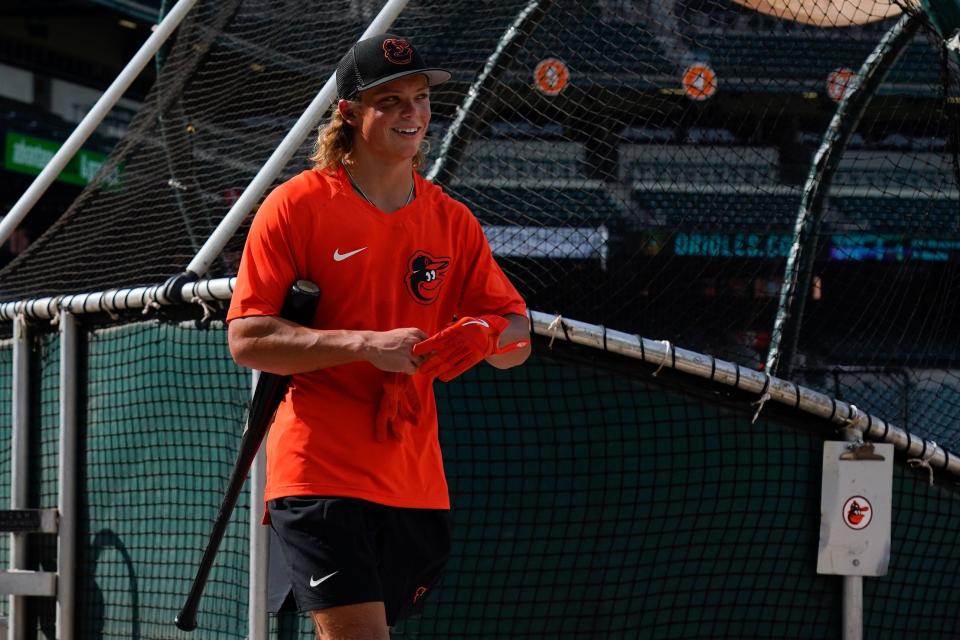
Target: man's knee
{"x": 365, "y": 621}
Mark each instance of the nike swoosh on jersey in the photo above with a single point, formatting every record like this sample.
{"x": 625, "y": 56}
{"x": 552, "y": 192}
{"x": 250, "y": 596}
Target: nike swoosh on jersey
{"x": 314, "y": 583}
{"x": 337, "y": 256}
{"x": 480, "y": 322}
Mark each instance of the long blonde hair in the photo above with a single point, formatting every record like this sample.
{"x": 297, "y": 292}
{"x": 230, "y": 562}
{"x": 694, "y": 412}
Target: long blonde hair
{"x": 335, "y": 140}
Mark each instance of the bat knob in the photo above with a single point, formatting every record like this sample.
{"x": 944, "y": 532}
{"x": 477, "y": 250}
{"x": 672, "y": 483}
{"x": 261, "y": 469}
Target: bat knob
{"x": 185, "y": 623}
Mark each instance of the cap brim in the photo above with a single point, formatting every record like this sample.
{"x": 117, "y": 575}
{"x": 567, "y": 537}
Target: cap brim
{"x": 434, "y": 77}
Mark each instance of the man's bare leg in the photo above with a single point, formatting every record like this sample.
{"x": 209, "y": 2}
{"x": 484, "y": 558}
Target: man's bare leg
{"x": 365, "y": 621}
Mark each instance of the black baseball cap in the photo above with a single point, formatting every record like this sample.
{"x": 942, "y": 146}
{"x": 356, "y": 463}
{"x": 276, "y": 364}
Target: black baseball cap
{"x": 381, "y": 59}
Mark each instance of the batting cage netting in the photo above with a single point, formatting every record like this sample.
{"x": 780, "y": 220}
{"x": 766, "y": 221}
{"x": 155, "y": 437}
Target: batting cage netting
{"x": 775, "y": 186}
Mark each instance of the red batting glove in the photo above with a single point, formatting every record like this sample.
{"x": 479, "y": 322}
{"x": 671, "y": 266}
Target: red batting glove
{"x": 462, "y": 345}
{"x": 399, "y": 407}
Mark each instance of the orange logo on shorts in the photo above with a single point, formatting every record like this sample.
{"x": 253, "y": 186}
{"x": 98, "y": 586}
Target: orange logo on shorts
{"x": 419, "y": 594}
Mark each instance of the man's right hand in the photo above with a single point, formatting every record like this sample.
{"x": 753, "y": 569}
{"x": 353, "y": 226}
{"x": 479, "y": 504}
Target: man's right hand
{"x": 393, "y": 350}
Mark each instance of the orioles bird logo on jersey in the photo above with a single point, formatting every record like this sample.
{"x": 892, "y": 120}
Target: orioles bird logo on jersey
{"x": 397, "y": 51}
{"x": 425, "y": 276}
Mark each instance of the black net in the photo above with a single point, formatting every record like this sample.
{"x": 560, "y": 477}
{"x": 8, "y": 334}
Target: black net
{"x": 165, "y": 410}
{"x": 6, "y": 458}
{"x": 635, "y": 164}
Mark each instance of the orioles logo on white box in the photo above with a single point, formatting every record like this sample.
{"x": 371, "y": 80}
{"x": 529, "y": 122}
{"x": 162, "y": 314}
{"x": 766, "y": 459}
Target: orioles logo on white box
{"x": 857, "y": 512}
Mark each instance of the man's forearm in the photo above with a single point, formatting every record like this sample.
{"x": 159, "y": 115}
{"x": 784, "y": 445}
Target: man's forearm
{"x": 269, "y": 343}
{"x": 517, "y": 330}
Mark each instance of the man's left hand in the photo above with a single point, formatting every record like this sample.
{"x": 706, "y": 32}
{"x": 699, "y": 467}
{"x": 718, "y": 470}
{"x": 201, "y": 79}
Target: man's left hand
{"x": 461, "y": 345}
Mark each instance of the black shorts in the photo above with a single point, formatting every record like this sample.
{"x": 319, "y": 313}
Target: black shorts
{"x": 339, "y": 551}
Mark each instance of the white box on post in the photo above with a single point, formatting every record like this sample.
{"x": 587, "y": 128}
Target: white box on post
{"x": 855, "y": 505}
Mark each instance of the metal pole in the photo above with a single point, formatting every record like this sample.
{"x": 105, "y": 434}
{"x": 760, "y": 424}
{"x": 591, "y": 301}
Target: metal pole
{"x": 852, "y": 607}
{"x": 93, "y": 119}
{"x": 852, "y": 585}
{"x": 67, "y": 479}
{"x": 16, "y": 629}
{"x": 472, "y": 111}
{"x": 115, "y": 299}
{"x": 259, "y": 543}
{"x": 307, "y": 122}
{"x": 799, "y": 268}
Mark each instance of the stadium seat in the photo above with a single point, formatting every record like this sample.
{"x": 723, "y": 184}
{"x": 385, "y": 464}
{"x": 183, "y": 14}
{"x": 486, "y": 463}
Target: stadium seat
{"x": 695, "y": 164}
{"x": 917, "y": 215}
{"x": 519, "y": 159}
{"x": 540, "y": 206}
{"x": 894, "y": 170}
{"x": 710, "y": 209}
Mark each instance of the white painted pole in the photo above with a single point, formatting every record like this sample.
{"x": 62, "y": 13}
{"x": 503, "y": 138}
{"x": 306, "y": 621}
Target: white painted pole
{"x": 93, "y": 119}
{"x": 274, "y": 165}
{"x": 259, "y": 543}
{"x": 852, "y": 607}
{"x": 16, "y": 629}
{"x": 67, "y": 479}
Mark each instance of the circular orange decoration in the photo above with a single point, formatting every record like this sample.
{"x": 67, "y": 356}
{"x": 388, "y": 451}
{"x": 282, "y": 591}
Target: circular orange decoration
{"x": 838, "y": 82}
{"x": 699, "y": 81}
{"x": 551, "y": 76}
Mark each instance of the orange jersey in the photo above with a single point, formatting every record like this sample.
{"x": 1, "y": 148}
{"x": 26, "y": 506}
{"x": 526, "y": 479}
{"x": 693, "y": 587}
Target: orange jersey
{"x": 416, "y": 267}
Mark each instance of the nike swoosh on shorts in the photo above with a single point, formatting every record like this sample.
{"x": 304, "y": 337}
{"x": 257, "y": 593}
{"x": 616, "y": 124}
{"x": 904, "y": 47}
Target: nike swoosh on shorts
{"x": 314, "y": 583}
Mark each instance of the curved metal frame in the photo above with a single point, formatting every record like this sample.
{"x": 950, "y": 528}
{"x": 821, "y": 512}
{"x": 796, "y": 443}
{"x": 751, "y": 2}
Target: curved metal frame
{"x": 806, "y": 231}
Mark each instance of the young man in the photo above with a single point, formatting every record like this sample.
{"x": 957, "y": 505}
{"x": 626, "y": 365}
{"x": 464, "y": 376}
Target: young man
{"x": 409, "y": 291}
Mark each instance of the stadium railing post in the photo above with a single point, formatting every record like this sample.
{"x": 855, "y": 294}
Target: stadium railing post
{"x": 67, "y": 478}
{"x": 19, "y": 462}
{"x": 852, "y": 601}
{"x": 259, "y": 543}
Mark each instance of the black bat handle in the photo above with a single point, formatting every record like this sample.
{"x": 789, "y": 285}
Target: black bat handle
{"x": 299, "y": 306}
{"x": 301, "y": 302}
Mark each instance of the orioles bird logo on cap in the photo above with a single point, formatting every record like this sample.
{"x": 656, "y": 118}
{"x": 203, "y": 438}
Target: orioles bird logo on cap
{"x": 397, "y": 51}
{"x": 425, "y": 276}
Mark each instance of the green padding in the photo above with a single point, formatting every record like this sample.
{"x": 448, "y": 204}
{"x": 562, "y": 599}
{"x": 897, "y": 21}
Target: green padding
{"x": 588, "y": 504}
{"x": 45, "y": 421}
{"x": 164, "y": 415}
{"x": 595, "y": 506}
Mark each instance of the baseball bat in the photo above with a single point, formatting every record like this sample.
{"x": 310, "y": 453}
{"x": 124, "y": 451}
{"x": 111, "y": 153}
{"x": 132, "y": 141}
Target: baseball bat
{"x": 299, "y": 306}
